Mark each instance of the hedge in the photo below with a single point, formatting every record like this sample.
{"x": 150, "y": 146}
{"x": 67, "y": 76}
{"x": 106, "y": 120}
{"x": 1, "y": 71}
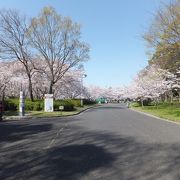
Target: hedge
{"x": 38, "y": 105}
{"x": 68, "y": 105}
{"x": 13, "y": 105}
{"x": 89, "y": 102}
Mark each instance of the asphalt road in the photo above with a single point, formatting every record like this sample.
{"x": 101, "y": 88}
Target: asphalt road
{"x": 109, "y": 143}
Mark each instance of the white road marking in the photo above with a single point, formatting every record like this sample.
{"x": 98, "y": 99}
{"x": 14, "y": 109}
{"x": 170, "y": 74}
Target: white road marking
{"x": 54, "y": 139}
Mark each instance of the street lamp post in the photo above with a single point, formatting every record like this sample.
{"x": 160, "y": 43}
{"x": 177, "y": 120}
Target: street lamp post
{"x": 83, "y": 76}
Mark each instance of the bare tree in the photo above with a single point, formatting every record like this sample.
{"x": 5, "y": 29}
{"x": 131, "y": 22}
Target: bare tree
{"x": 164, "y": 36}
{"x": 14, "y": 42}
{"x": 58, "y": 41}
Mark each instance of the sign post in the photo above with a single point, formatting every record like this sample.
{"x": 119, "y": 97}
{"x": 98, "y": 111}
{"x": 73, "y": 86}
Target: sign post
{"x": 61, "y": 108}
{"x": 48, "y": 103}
{"x": 21, "y": 104}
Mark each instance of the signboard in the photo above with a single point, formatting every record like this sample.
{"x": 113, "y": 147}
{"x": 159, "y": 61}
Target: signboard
{"x": 48, "y": 103}
{"x": 61, "y": 107}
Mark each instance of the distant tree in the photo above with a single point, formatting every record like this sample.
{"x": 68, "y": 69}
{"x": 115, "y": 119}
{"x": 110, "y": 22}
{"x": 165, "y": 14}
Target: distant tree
{"x": 14, "y": 42}
{"x": 71, "y": 85}
{"x": 152, "y": 83}
{"x": 5, "y": 77}
{"x": 57, "y": 40}
{"x": 164, "y": 37}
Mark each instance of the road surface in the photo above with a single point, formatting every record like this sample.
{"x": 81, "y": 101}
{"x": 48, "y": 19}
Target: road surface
{"x": 110, "y": 142}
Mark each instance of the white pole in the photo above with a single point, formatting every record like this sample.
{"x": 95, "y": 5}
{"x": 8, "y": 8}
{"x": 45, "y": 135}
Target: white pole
{"x": 21, "y": 104}
{"x": 83, "y": 76}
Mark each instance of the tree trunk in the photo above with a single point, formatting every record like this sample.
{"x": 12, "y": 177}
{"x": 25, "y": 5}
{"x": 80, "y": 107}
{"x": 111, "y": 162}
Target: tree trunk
{"x": 30, "y": 88}
{"x": 3, "y": 96}
{"x": 156, "y": 101}
{"x": 171, "y": 96}
{"x": 142, "y": 103}
{"x": 51, "y": 88}
{"x": 166, "y": 98}
{"x": 179, "y": 95}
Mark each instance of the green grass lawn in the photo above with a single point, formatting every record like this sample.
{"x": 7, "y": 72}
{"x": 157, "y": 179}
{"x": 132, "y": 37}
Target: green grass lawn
{"x": 14, "y": 114}
{"x": 163, "y": 110}
{"x": 55, "y": 113}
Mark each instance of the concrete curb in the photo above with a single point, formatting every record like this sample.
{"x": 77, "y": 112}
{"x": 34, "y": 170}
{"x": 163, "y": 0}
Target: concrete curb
{"x": 93, "y": 107}
{"x": 156, "y": 117}
{"x": 18, "y": 118}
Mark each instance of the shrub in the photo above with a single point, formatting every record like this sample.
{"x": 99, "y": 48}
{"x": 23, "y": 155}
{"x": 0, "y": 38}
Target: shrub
{"x": 11, "y": 105}
{"x": 89, "y": 102}
{"x": 76, "y": 102}
{"x": 135, "y": 104}
{"x": 146, "y": 102}
{"x": 29, "y": 105}
{"x": 38, "y": 105}
{"x": 68, "y": 106}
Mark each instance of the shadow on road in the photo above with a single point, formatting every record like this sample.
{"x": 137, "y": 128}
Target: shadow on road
{"x": 104, "y": 107}
{"x": 67, "y": 162}
{"x": 79, "y": 153}
{"x": 73, "y": 160}
{"x": 13, "y": 131}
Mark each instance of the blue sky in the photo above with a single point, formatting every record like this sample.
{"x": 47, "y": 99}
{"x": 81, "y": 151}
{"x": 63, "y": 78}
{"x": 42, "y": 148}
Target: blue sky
{"x": 113, "y": 29}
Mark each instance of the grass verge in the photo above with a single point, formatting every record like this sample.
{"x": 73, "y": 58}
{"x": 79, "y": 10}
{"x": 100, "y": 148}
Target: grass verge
{"x": 163, "y": 110}
{"x": 9, "y": 115}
